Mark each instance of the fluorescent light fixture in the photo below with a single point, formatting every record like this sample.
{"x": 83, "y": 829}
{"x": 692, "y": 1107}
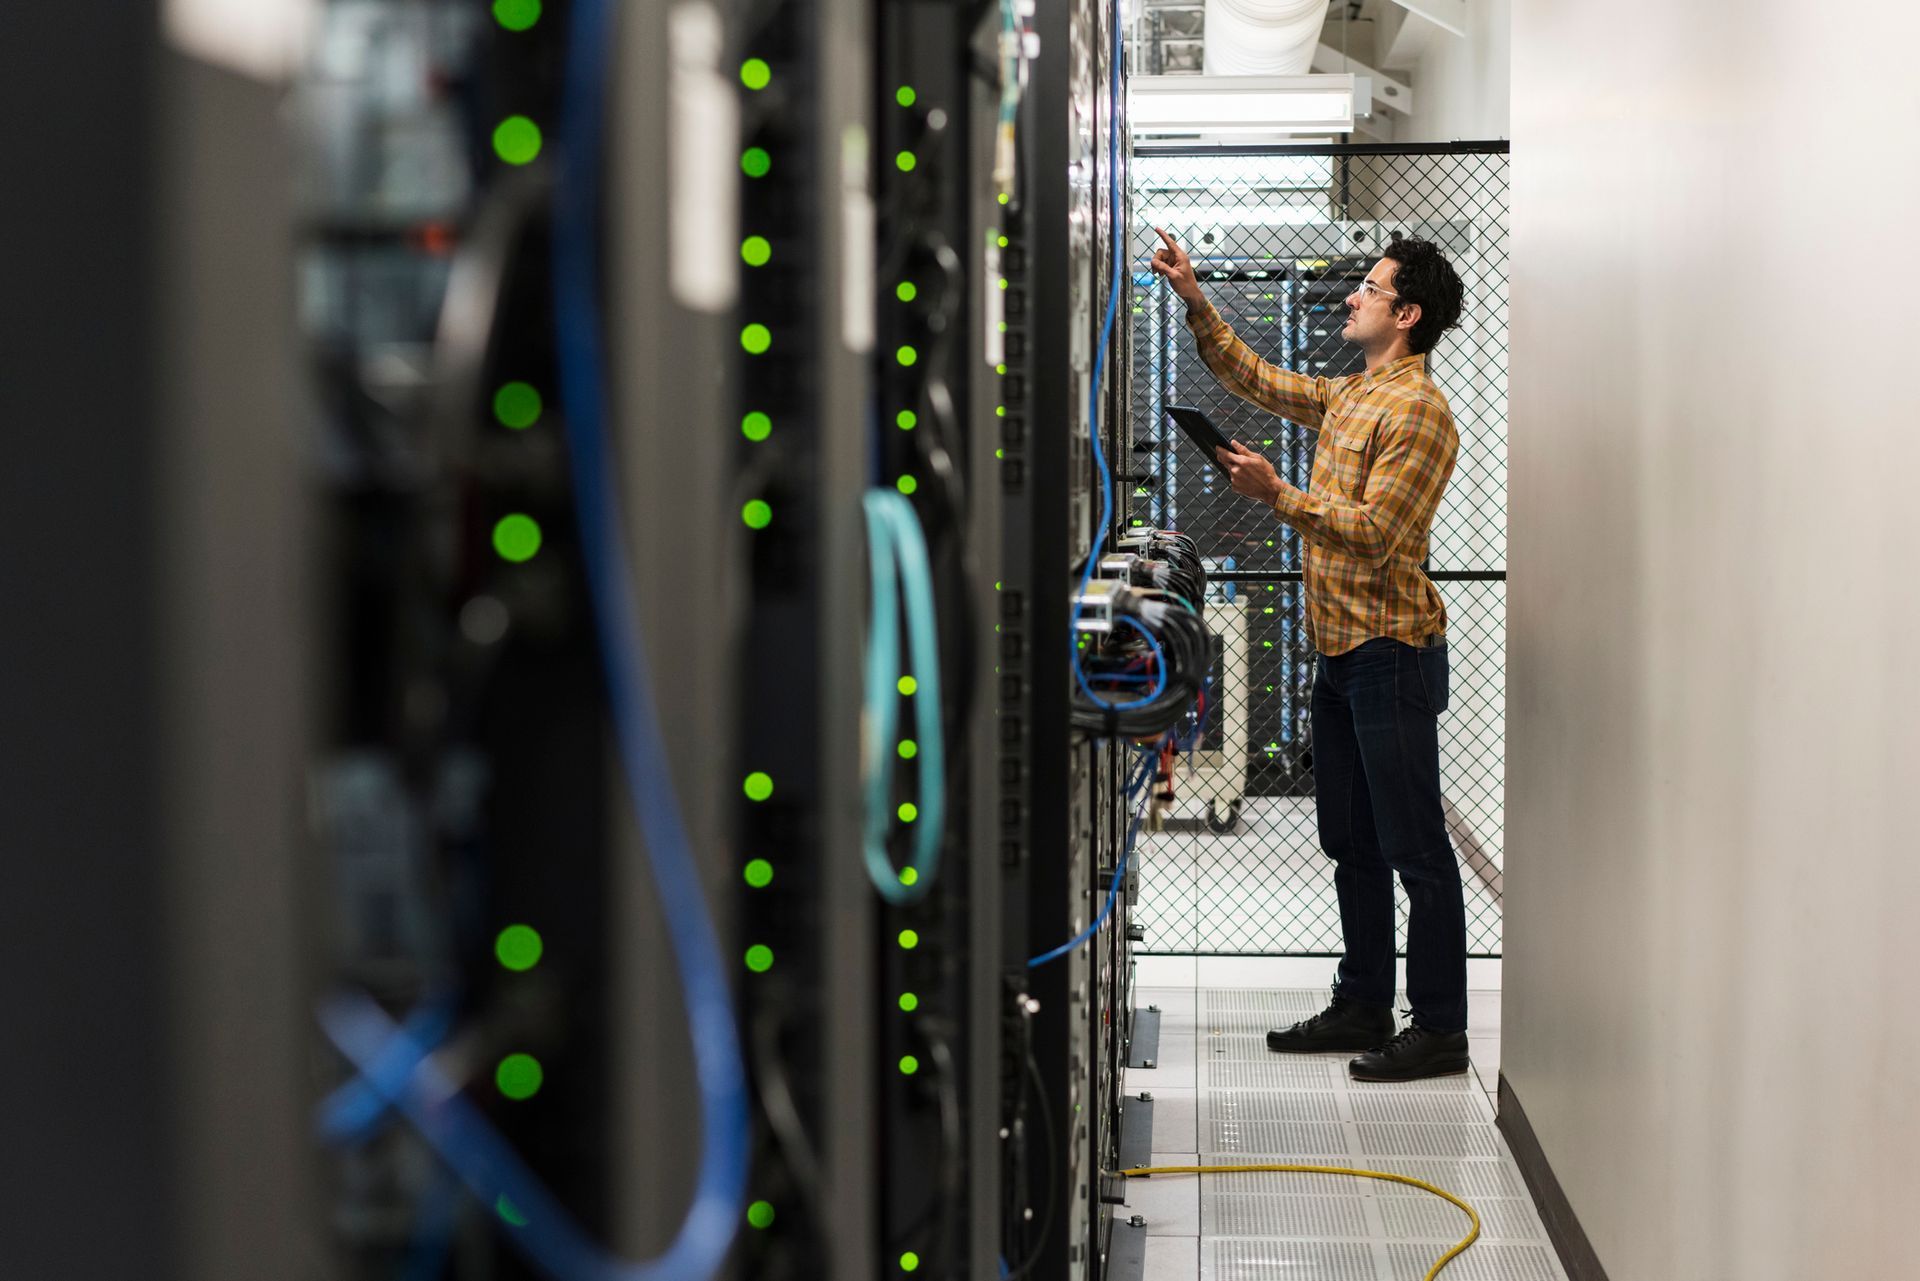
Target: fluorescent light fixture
{"x": 1240, "y": 108}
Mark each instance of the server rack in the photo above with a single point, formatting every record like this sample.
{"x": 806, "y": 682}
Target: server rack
{"x": 480, "y": 813}
{"x": 1290, "y": 314}
{"x": 1061, "y": 820}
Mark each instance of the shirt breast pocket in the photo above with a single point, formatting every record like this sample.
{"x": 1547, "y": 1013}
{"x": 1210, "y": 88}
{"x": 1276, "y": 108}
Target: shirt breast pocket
{"x": 1352, "y": 453}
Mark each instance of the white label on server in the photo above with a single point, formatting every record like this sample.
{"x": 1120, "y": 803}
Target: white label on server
{"x": 859, "y": 244}
{"x": 996, "y": 308}
{"x": 264, "y": 39}
{"x": 703, "y": 188}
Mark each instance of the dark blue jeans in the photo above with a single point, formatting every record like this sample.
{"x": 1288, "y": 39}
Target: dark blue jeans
{"x": 1376, "y": 770}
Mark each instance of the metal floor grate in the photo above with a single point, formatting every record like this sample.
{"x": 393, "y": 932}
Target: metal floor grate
{"x": 1251, "y": 1106}
{"x": 1496, "y": 1262}
{"x": 1428, "y": 1140}
{"x": 1270, "y": 1105}
{"x": 1263, "y": 1215}
{"x": 1249, "y": 1259}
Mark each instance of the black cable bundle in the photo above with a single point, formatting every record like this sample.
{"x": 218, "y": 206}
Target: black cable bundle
{"x": 1140, "y": 679}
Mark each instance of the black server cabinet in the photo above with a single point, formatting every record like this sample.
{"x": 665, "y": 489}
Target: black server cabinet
{"x": 1060, "y": 821}
{"x": 657, "y": 186}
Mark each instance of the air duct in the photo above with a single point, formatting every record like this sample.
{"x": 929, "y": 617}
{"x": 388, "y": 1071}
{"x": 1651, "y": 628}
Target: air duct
{"x": 1263, "y": 37}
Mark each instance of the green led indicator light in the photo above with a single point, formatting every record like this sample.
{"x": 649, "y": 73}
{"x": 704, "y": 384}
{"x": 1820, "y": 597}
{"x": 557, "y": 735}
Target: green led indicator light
{"x": 909, "y": 1262}
{"x": 909, "y": 876}
{"x": 1266, "y": 644}
{"x": 519, "y": 1076}
{"x": 1002, "y": 326}
{"x": 906, "y": 419}
{"x": 908, "y": 811}
{"x": 905, "y": 162}
{"x": 1004, "y": 197}
{"x": 999, "y": 411}
{"x": 509, "y": 1211}
{"x": 905, "y": 291}
{"x": 517, "y": 405}
{"x": 518, "y": 947}
{"x": 755, "y": 73}
{"x": 755, "y": 339}
{"x": 1139, "y": 522}
{"x": 1269, "y": 689}
{"x": 759, "y": 958}
{"x": 758, "y": 786}
{"x": 1001, "y": 369}
{"x": 906, "y": 484}
{"x": 1267, "y": 610}
{"x": 906, "y": 685}
{"x": 516, "y": 537}
{"x": 999, "y": 453}
{"x": 516, "y": 140}
{"x": 757, "y": 514}
{"x": 906, "y": 355}
{"x": 996, "y": 585}
{"x": 755, "y": 251}
{"x": 1003, "y": 282}
{"x": 760, "y": 1214}
{"x": 1267, "y": 441}
{"x": 909, "y": 940}
{"x": 908, "y": 1066}
{"x": 516, "y": 15}
{"x": 755, "y": 162}
{"x": 1003, "y": 242}
{"x": 905, "y": 95}
{"x": 908, "y": 749}
{"x": 909, "y": 1002}
{"x": 756, "y": 426}
{"x": 759, "y": 873}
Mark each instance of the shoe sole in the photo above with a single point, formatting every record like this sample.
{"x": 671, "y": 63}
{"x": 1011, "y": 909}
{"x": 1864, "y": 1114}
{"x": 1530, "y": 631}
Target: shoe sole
{"x": 1324, "y": 1049}
{"x": 1462, "y": 1070}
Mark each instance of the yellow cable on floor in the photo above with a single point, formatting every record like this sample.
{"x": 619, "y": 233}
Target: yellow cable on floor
{"x": 1432, "y": 1272}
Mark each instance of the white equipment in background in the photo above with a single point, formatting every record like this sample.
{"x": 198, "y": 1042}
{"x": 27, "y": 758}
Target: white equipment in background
{"x": 1209, "y": 784}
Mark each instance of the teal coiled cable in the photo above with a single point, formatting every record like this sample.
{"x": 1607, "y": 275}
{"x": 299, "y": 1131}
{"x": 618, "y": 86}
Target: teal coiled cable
{"x": 897, "y": 547}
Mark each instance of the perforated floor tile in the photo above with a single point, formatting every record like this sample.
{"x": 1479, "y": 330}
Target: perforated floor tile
{"x": 1251, "y": 1106}
{"x": 1271, "y": 1105}
{"x": 1493, "y": 1262}
{"x": 1249, "y": 1259}
{"x": 1428, "y": 1140}
{"x": 1427, "y": 1218}
{"x": 1426, "y": 1106}
{"x": 1239, "y": 1214}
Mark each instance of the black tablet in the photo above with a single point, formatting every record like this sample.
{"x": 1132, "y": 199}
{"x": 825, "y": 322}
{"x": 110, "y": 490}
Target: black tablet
{"x": 1201, "y": 431}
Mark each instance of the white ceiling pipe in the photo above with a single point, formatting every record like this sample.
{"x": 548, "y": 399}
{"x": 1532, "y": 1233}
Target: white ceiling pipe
{"x": 1263, "y": 37}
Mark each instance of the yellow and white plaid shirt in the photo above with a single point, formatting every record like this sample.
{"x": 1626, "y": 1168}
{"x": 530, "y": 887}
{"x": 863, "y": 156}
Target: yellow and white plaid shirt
{"x": 1386, "y": 450}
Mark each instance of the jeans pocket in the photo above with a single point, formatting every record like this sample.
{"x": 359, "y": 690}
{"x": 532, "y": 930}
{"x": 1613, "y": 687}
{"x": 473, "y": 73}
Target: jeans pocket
{"x": 1434, "y": 678}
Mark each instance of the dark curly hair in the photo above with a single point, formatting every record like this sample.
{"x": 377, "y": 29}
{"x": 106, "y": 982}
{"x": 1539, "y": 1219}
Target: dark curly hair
{"x": 1424, "y": 276}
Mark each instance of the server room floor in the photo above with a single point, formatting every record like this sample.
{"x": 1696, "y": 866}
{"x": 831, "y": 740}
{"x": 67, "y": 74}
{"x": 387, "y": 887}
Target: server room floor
{"x": 1222, "y": 1098}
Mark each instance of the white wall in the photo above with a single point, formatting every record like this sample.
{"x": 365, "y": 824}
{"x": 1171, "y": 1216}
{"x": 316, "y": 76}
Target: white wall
{"x": 1461, "y": 83}
{"x": 1714, "y": 719}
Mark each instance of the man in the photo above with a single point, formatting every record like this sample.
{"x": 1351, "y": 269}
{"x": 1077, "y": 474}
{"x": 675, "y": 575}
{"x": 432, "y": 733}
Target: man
{"x": 1386, "y": 449}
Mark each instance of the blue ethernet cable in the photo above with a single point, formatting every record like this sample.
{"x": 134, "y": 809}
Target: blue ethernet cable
{"x": 897, "y": 547}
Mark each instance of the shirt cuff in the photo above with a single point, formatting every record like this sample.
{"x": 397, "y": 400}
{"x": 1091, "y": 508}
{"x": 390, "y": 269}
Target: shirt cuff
{"x": 1290, "y": 504}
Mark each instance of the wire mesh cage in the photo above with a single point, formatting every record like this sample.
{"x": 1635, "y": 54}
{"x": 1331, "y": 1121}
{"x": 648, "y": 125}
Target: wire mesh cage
{"x": 1278, "y": 239}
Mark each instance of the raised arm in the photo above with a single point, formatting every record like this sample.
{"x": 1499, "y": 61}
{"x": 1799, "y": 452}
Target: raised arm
{"x": 1291, "y": 395}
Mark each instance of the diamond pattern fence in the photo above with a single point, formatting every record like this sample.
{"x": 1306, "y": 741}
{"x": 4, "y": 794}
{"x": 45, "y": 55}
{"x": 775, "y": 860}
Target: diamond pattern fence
{"x": 1279, "y": 239}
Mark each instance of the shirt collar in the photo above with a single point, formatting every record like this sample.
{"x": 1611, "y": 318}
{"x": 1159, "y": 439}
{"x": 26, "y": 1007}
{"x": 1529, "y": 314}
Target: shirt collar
{"x": 1394, "y": 369}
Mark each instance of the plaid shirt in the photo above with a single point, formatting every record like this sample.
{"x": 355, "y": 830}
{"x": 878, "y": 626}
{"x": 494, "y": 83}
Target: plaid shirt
{"x": 1386, "y": 449}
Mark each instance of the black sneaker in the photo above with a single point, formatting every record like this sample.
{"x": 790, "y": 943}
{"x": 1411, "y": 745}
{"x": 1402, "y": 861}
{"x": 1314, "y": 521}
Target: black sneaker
{"x": 1341, "y": 1028}
{"x": 1414, "y": 1055}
